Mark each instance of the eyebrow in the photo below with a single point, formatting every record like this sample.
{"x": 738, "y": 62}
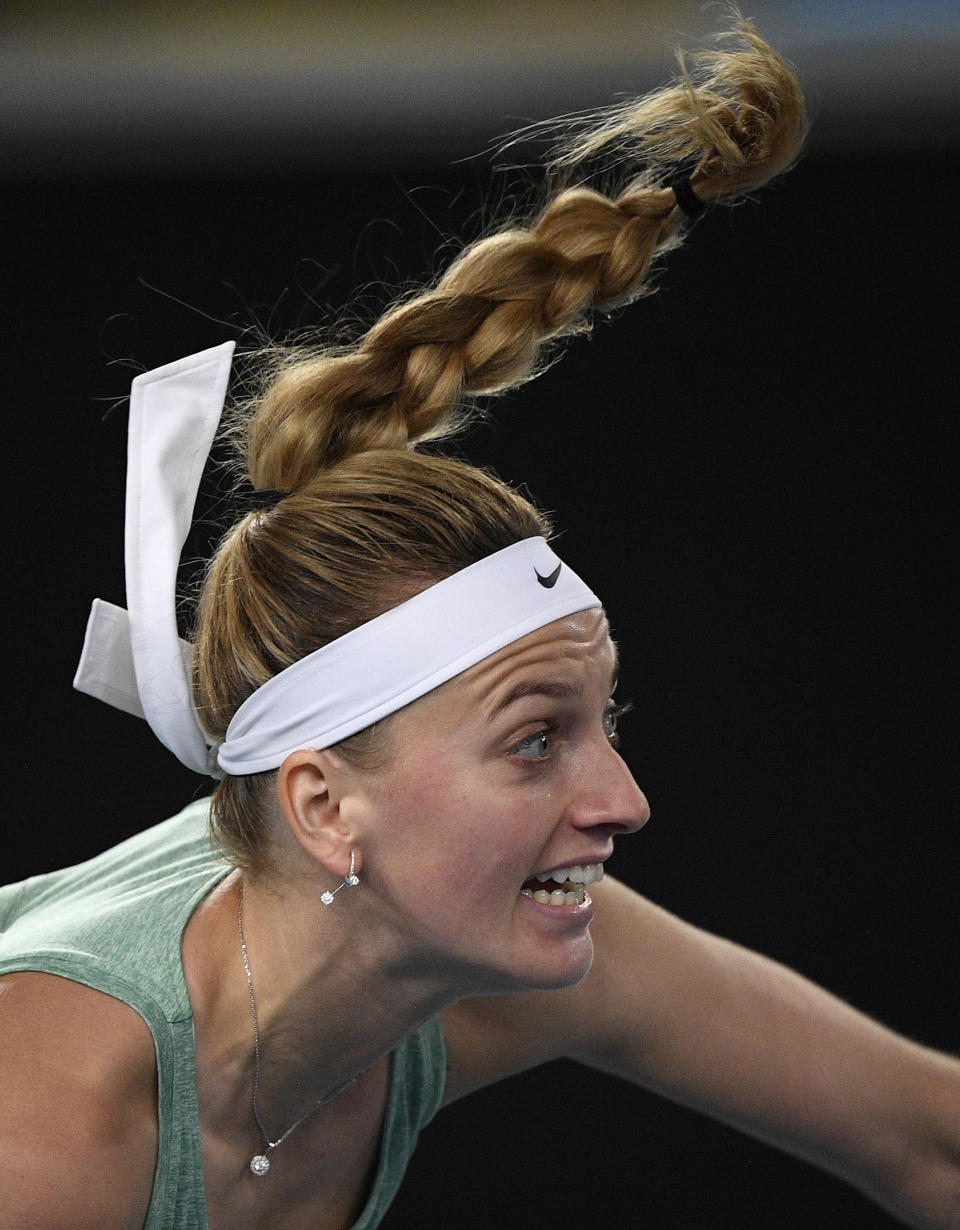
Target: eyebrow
{"x": 540, "y": 687}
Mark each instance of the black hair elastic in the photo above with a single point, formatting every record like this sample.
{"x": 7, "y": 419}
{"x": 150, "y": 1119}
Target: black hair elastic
{"x": 687, "y": 199}
{"x": 267, "y": 499}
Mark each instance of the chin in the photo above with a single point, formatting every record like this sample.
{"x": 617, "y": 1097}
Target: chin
{"x": 563, "y": 970}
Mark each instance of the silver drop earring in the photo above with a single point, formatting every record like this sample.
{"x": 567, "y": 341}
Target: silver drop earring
{"x": 352, "y": 880}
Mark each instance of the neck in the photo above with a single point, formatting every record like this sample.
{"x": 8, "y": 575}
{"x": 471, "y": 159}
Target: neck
{"x": 332, "y": 997}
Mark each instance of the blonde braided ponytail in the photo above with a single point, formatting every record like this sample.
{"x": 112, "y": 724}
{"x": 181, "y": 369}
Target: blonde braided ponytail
{"x": 736, "y": 121}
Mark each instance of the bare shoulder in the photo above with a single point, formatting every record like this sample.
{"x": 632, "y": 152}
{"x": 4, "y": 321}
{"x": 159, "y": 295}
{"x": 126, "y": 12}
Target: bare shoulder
{"x": 78, "y": 1120}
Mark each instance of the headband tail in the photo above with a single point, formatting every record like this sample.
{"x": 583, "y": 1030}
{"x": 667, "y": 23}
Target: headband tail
{"x": 136, "y": 659}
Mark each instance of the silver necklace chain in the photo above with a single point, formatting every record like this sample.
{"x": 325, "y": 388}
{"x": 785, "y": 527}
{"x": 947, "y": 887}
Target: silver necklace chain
{"x": 260, "y": 1162}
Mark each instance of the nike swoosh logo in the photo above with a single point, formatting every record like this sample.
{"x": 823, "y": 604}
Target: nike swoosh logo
{"x": 548, "y": 582}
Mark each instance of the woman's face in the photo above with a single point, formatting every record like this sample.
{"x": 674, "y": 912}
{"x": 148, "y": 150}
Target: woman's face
{"x": 505, "y": 773}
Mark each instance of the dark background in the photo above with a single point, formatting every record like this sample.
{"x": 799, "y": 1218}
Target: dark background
{"x": 756, "y": 470}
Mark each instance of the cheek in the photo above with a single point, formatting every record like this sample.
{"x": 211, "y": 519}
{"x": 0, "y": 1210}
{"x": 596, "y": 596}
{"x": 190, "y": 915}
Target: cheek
{"x": 431, "y": 809}
{"x": 449, "y": 824}
{"x": 431, "y": 791}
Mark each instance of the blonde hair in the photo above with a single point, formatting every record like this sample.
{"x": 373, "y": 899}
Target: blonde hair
{"x": 369, "y": 521}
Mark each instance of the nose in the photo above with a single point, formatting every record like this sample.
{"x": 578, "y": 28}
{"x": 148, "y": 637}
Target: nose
{"x": 610, "y": 797}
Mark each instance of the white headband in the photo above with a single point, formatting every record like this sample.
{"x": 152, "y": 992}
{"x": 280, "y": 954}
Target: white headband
{"x": 137, "y": 662}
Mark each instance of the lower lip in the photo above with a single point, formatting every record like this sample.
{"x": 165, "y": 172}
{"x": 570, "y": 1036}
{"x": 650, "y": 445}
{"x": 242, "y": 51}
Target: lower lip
{"x": 579, "y": 914}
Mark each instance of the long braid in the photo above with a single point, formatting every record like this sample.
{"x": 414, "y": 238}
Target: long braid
{"x": 481, "y": 328}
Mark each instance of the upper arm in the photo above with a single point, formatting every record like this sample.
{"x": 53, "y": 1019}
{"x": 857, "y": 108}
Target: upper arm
{"x": 728, "y": 1032}
{"x": 78, "y": 1128}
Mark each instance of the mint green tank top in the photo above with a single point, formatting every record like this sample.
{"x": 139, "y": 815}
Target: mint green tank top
{"x": 115, "y": 923}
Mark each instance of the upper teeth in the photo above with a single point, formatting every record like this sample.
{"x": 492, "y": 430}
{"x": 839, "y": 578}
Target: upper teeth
{"x": 589, "y": 873}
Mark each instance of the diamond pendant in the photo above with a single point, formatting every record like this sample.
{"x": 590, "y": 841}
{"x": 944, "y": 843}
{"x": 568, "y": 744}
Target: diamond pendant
{"x": 260, "y": 1165}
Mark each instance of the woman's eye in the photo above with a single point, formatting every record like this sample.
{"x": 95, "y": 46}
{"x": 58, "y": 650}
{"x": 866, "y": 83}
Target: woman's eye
{"x": 610, "y": 719}
{"x": 534, "y": 747}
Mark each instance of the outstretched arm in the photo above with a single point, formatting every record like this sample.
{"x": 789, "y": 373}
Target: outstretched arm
{"x": 728, "y": 1032}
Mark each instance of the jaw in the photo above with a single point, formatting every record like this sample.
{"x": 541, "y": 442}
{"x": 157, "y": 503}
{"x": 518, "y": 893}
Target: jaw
{"x": 544, "y": 946}
{"x": 489, "y": 933}
{"x": 561, "y": 953}
{"x": 528, "y": 945}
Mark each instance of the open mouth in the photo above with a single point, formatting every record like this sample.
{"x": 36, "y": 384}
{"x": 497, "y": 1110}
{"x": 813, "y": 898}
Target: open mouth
{"x": 565, "y": 886}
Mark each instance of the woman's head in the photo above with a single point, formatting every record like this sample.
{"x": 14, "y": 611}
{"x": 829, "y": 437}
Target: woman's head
{"x": 479, "y": 839}
{"x": 361, "y": 538}
{"x": 370, "y": 521}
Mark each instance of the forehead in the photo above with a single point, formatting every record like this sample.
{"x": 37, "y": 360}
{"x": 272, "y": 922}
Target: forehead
{"x": 572, "y": 654}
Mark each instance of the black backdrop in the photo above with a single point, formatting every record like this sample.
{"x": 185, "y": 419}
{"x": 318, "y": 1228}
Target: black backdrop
{"x": 754, "y": 467}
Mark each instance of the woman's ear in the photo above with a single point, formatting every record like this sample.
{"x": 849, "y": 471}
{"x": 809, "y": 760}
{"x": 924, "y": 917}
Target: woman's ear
{"x": 311, "y": 790}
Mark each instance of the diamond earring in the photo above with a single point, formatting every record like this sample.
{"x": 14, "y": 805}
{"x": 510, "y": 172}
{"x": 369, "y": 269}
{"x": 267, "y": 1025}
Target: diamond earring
{"x": 352, "y": 880}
